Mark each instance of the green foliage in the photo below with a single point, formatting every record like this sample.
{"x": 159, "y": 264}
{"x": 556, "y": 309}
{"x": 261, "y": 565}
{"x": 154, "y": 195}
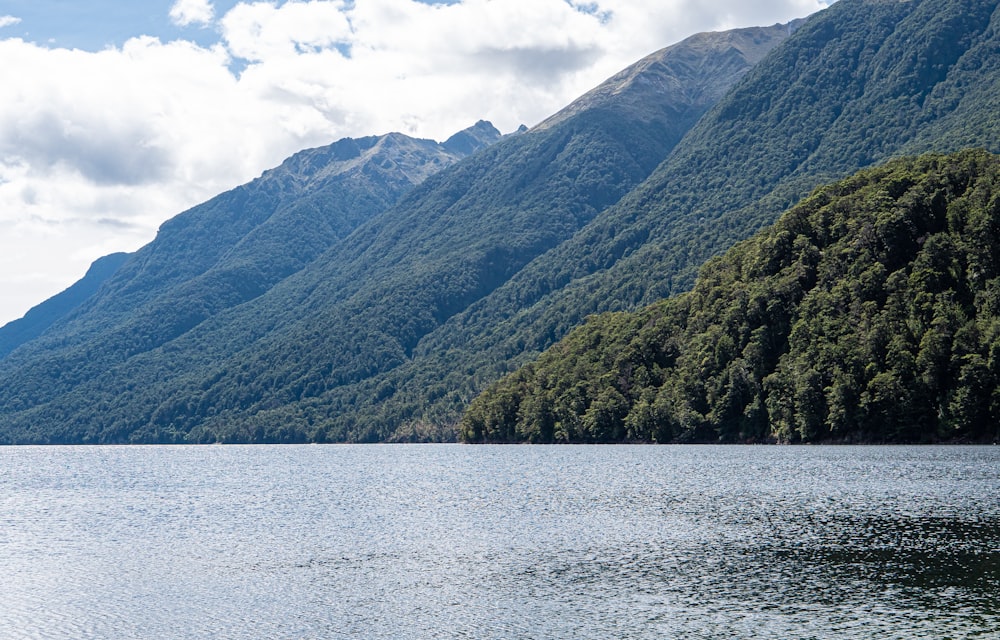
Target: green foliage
{"x": 224, "y": 356}
{"x": 867, "y": 313}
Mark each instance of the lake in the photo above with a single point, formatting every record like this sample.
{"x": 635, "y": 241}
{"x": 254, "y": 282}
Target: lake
{"x": 451, "y": 541}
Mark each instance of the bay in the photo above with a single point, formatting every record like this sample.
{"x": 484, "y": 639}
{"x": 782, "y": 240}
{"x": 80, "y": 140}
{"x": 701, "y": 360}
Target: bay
{"x": 450, "y": 541}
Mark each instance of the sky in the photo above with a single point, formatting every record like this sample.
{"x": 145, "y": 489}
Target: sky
{"x": 116, "y": 115}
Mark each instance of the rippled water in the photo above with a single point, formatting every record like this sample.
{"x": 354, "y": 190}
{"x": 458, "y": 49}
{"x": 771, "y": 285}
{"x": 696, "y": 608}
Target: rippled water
{"x": 499, "y": 542}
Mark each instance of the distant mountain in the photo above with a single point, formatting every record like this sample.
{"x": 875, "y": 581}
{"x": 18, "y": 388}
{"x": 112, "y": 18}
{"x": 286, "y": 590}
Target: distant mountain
{"x": 219, "y": 255}
{"x": 870, "y": 312}
{"x": 41, "y": 317}
{"x": 239, "y": 244}
{"x": 264, "y": 341}
{"x": 468, "y": 141}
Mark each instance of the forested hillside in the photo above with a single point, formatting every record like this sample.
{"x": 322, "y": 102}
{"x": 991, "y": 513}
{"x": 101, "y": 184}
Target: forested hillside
{"x": 277, "y": 363}
{"x": 42, "y": 316}
{"x": 856, "y": 84}
{"x": 870, "y": 312}
{"x": 208, "y": 259}
{"x": 237, "y": 245}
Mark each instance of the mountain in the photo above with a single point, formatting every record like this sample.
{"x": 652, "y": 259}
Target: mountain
{"x": 237, "y": 245}
{"x": 41, "y": 317}
{"x": 389, "y": 331}
{"x": 694, "y": 73}
{"x": 266, "y": 342}
{"x": 856, "y": 84}
{"x": 870, "y": 312}
{"x": 218, "y": 255}
{"x": 468, "y": 141}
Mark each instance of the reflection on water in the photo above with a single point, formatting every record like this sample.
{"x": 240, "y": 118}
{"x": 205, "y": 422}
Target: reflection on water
{"x": 500, "y": 542}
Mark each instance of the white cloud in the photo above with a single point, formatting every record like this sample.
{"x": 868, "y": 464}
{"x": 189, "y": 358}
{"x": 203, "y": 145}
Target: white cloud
{"x": 98, "y": 148}
{"x": 8, "y": 21}
{"x": 262, "y": 31}
{"x": 188, "y": 12}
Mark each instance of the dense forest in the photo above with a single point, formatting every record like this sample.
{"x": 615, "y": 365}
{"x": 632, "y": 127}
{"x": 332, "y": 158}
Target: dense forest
{"x": 870, "y": 312}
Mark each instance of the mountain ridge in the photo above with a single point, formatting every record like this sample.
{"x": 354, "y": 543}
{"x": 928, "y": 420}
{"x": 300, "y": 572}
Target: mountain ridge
{"x": 672, "y": 71}
{"x": 360, "y": 310}
{"x": 43, "y": 315}
{"x": 696, "y": 203}
{"x": 245, "y": 240}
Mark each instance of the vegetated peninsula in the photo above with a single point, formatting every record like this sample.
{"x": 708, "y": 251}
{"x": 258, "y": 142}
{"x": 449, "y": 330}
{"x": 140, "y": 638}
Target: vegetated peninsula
{"x": 870, "y": 312}
{"x": 386, "y": 328}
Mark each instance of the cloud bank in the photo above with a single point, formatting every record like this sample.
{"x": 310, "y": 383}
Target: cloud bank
{"x": 98, "y": 148}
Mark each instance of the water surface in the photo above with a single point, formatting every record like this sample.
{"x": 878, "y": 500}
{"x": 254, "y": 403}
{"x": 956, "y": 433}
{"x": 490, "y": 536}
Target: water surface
{"x": 449, "y": 541}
